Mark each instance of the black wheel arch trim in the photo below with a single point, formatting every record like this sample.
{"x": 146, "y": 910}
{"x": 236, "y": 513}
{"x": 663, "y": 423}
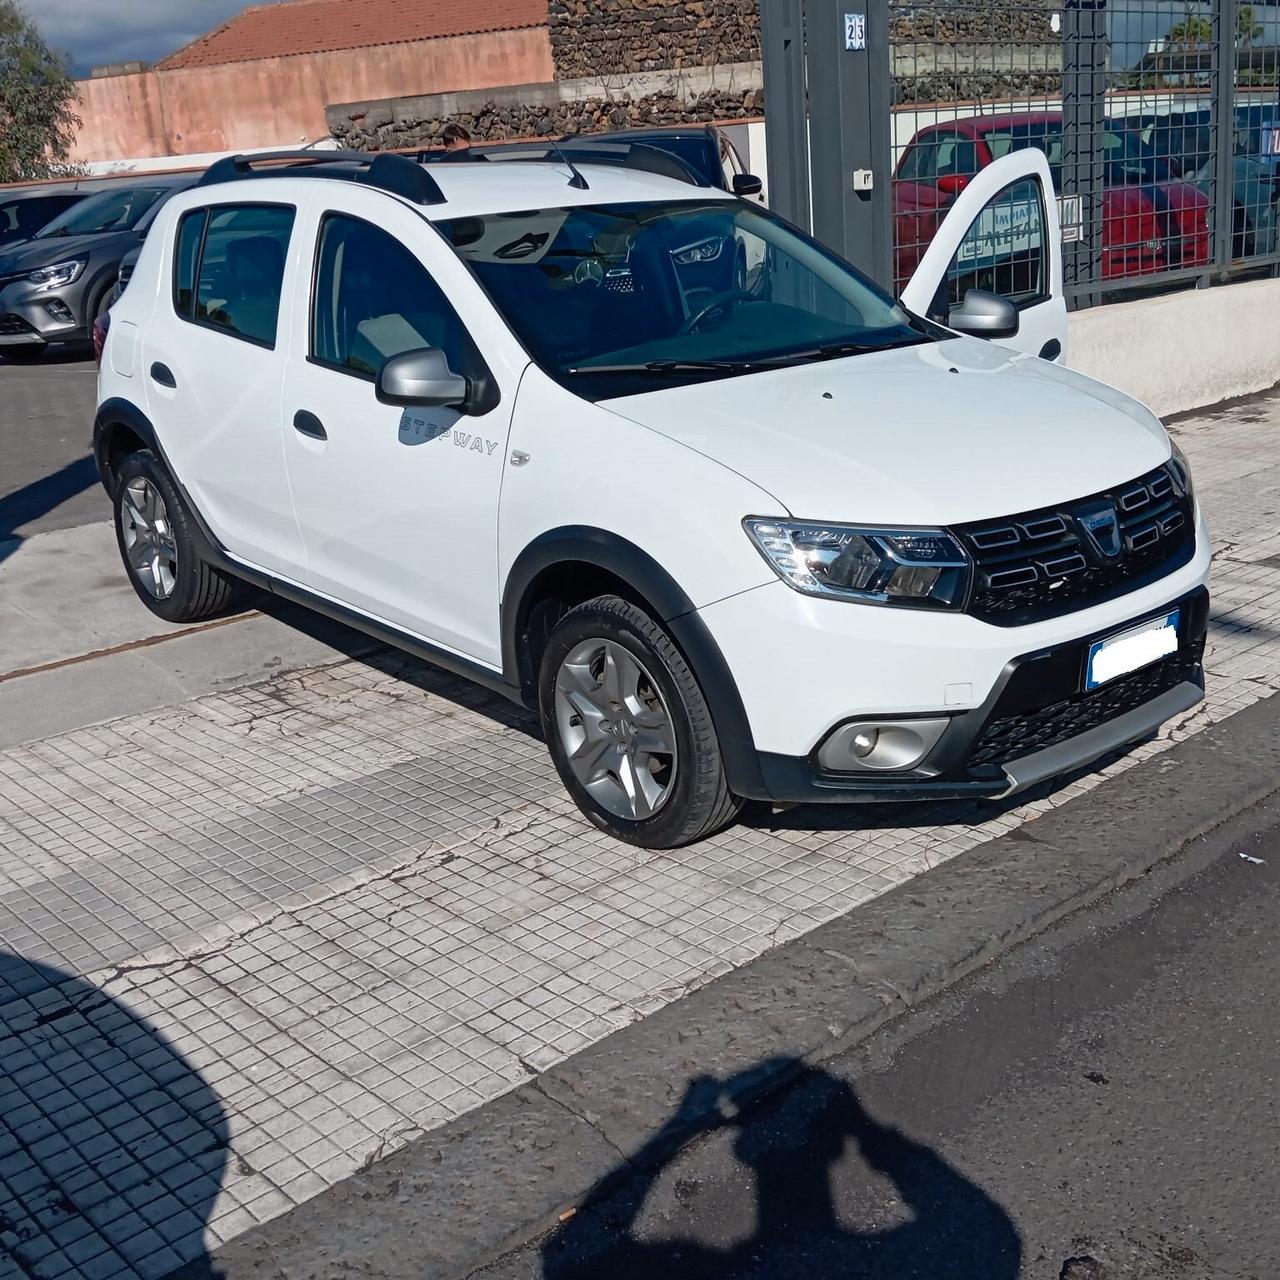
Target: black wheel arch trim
{"x": 677, "y": 613}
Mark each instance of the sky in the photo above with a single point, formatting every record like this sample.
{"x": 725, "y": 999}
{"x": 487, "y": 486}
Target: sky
{"x": 97, "y": 32}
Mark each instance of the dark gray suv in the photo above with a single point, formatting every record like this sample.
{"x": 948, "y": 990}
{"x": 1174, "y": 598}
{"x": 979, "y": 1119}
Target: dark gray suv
{"x": 54, "y": 285}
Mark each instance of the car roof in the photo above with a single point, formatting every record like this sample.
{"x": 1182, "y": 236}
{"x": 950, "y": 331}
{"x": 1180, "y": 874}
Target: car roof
{"x": 653, "y": 131}
{"x": 473, "y": 189}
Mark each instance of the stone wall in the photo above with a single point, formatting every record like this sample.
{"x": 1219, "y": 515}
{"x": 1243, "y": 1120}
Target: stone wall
{"x": 604, "y": 37}
{"x": 548, "y": 110}
{"x": 493, "y": 121}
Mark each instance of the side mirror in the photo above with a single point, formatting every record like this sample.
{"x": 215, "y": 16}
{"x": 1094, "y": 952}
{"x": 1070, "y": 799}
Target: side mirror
{"x": 422, "y": 377}
{"x": 984, "y": 315}
{"x": 747, "y": 184}
{"x": 952, "y": 184}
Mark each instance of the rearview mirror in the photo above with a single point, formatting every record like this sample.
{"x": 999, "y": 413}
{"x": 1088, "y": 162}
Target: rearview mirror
{"x": 952, "y": 184}
{"x": 747, "y": 184}
{"x": 984, "y": 315}
{"x": 422, "y": 377}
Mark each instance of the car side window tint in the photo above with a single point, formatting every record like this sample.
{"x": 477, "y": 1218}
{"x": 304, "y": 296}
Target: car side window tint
{"x": 241, "y": 269}
{"x": 374, "y": 300}
{"x": 1003, "y": 251}
{"x": 186, "y": 257}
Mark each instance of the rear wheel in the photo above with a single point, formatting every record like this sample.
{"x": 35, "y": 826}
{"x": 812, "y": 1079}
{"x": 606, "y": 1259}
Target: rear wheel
{"x": 629, "y": 729}
{"x": 160, "y": 548}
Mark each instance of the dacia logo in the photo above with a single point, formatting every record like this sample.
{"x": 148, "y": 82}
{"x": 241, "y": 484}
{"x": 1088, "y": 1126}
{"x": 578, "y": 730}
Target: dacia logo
{"x": 1103, "y": 529}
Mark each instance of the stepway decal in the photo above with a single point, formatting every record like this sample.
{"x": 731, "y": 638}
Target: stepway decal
{"x": 415, "y": 429}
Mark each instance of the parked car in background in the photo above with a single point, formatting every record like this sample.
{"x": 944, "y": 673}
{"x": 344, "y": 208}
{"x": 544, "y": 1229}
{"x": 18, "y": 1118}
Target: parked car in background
{"x": 103, "y": 321}
{"x": 1184, "y": 144}
{"x": 24, "y": 210}
{"x": 1150, "y": 221}
{"x": 55, "y": 285}
{"x": 1258, "y": 134}
{"x": 702, "y": 151}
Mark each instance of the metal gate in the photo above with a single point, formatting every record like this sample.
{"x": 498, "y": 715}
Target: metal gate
{"x": 1160, "y": 119}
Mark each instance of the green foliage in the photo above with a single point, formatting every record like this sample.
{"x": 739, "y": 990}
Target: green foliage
{"x": 38, "y": 97}
{"x": 1248, "y": 29}
{"x": 1193, "y": 31}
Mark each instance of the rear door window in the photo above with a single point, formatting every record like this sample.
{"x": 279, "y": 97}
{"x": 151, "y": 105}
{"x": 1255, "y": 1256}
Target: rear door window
{"x": 229, "y": 268}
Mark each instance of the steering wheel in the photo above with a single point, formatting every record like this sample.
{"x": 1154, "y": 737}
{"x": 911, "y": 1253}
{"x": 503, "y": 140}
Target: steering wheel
{"x": 717, "y": 300}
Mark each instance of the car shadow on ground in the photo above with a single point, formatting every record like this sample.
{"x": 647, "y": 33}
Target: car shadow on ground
{"x": 796, "y": 1151}
{"x": 112, "y": 1145}
{"x": 40, "y": 497}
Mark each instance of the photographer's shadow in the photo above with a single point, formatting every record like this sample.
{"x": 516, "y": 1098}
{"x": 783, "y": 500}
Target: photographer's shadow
{"x": 112, "y": 1145}
{"x": 950, "y": 1229}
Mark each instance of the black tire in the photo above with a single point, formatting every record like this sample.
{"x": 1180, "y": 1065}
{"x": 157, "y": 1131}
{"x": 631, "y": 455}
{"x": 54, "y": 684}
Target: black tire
{"x": 199, "y": 590}
{"x": 699, "y": 802}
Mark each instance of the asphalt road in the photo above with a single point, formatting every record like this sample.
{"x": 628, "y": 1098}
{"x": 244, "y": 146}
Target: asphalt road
{"x": 1098, "y": 1105}
{"x": 47, "y": 480}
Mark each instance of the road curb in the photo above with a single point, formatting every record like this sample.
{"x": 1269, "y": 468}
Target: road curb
{"x": 459, "y": 1196}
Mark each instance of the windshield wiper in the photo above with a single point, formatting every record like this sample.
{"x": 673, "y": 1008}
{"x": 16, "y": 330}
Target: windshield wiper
{"x": 834, "y": 350}
{"x": 661, "y": 367}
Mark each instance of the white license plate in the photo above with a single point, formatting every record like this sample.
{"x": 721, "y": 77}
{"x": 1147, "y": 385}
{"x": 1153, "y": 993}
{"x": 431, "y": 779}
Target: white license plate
{"x": 1138, "y": 647}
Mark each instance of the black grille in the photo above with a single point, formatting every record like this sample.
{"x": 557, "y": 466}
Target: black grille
{"x": 13, "y": 326}
{"x": 124, "y": 275}
{"x": 1007, "y": 738}
{"x": 1042, "y": 564}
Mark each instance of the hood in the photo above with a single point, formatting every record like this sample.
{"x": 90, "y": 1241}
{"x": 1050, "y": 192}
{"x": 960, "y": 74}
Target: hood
{"x": 30, "y": 254}
{"x": 935, "y": 434}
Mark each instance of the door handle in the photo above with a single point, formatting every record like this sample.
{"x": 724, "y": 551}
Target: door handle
{"x": 307, "y": 424}
{"x": 162, "y": 374}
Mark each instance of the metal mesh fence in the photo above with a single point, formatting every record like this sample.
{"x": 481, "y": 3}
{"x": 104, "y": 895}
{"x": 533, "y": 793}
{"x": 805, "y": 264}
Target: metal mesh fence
{"x": 1160, "y": 122}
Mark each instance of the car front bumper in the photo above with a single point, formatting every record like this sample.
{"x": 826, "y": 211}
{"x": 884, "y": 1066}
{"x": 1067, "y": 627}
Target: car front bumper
{"x": 30, "y": 317}
{"x": 1013, "y": 699}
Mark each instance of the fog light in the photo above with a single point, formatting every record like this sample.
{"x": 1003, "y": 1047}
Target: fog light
{"x": 880, "y": 744}
{"x": 59, "y": 311}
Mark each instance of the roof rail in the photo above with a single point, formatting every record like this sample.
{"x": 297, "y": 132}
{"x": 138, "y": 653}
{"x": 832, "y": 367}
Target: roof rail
{"x": 385, "y": 170}
{"x": 586, "y": 149}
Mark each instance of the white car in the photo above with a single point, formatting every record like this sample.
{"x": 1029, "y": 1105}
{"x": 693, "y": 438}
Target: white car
{"x": 772, "y": 537}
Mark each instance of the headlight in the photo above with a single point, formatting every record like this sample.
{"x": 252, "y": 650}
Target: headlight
{"x": 1181, "y": 469}
{"x": 919, "y": 568}
{"x": 60, "y": 273}
{"x": 702, "y": 251}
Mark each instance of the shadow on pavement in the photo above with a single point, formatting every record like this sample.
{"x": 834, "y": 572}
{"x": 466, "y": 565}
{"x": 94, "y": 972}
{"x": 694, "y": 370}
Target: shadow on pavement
{"x": 112, "y": 1146}
{"x": 790, "y": 1145}
{"x": 40, "y": 497}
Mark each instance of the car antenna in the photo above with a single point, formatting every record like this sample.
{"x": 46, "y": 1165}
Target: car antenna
{"x": 578, "y": 182}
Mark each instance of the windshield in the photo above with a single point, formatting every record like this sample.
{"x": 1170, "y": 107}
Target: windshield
{"x": 613, "y": 299}
{"x": 117, "y": 210}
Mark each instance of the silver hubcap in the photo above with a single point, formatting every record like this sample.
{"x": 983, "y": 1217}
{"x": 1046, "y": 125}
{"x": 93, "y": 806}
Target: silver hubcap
{"x": 615, "y": 729}
{"x": 149, "y": 544}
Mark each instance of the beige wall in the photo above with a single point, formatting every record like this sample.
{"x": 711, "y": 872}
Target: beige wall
{"x": 1182, "y": 350}
{"x": 281, "y": 101}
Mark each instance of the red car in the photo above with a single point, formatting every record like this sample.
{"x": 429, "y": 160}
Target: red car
{"x": 1151, "y": 221}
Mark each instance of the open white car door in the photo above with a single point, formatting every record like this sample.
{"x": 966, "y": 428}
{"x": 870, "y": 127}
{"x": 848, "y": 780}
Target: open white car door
{"x": 1001, "y": 235}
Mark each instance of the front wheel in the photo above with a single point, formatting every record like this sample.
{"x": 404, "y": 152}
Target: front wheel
{"x": 629, "y": 730}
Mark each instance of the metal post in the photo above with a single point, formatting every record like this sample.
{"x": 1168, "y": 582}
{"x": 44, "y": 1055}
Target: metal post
{"x": 785, "y": 121}
{"x": 847, "y": 43}
{"x": 1222, "y": 75}
{"x": 1084, "y": 86}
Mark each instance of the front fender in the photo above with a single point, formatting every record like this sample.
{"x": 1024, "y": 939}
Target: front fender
{"x": 585, "y": 545}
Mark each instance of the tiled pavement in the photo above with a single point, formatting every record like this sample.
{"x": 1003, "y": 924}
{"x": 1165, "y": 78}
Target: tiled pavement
{"x": 256, "y": 940}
